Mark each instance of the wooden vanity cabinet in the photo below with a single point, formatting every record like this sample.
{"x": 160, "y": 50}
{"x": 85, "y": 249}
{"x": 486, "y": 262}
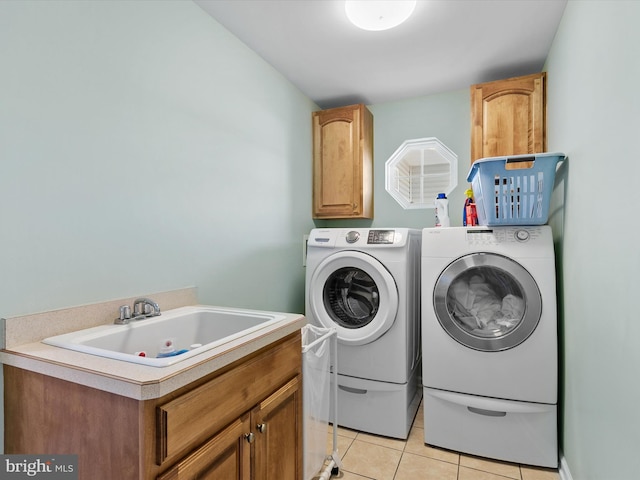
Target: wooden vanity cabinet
{"x": 268, "y": 434}
{"x": 227, "y": 455}
{"x": 243, "y": 422}
{"x": 343, "y": 163}
{"x": 508, "y": 117}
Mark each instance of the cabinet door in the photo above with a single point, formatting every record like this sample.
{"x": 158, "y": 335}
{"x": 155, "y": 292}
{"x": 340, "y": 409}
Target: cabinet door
{"x": 508, "y": 117}
{"x": 343, "y": 163}
{"x": 277, "y": 422}
{"x": 226, "y": 456}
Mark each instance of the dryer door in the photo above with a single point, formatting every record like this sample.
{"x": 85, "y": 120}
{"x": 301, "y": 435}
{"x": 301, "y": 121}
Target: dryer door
{"x": 355, "y": 294}
{"x": 487, "y": 302}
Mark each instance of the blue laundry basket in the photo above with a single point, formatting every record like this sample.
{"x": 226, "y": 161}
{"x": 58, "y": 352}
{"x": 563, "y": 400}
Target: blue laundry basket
{"x": 514, "y": 190}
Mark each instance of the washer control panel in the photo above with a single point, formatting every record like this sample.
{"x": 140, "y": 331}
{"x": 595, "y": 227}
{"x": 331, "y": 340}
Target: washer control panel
{"x": 354, "y": 238}
{"x": 381, "y": 237}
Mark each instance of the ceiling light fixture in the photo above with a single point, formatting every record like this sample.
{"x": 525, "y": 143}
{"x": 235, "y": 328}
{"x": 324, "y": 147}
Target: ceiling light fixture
{"x": 377, "y": 15}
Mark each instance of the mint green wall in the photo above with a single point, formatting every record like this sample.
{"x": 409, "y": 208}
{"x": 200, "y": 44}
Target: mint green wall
{"x": 594, "y": 117}
{"x": 445, "y": 116}
{"x": 143, "y": 148}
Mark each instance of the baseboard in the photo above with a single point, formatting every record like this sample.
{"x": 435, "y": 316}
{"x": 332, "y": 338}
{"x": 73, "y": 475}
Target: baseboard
{"x": 564, "y": 472}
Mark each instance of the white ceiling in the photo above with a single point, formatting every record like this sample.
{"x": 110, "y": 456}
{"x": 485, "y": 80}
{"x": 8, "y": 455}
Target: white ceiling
{"x": 445, "y": 45}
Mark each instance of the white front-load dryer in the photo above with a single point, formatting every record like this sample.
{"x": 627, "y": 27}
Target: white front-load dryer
{"x": 489, "y": 342}
{"x": 365, "y": 283}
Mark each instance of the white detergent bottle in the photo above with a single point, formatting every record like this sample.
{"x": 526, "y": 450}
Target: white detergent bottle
{"x": 442, "y": 211}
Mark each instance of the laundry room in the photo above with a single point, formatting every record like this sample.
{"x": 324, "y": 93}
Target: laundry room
{"x": 146, "y": 149}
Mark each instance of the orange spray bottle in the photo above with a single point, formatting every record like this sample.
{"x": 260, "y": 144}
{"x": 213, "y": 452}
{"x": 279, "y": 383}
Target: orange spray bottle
{"x": 469, "y": 213}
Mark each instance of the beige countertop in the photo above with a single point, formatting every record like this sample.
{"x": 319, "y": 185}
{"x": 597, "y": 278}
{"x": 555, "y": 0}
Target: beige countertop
{"x": 132, "y": 380}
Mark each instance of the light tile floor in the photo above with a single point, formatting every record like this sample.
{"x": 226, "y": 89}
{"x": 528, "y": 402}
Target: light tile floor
{"x": 370, "y": 457}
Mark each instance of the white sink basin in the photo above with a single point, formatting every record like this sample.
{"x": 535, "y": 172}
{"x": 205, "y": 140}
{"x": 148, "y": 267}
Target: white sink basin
{"x": 184, "y": 327}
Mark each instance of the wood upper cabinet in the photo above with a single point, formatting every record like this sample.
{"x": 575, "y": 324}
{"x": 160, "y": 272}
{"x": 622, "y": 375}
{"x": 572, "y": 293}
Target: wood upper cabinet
{"x": 508, "y": 117}
{"x": 343, "y": 163}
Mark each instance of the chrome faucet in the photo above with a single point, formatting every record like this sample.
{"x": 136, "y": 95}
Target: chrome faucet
{"x": 145, "y": 307}
{"x": 142, "y": 308}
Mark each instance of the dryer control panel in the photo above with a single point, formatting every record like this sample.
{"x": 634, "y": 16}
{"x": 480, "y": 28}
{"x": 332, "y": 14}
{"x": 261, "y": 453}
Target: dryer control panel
{"x": 495, "y": 236}
{"x": 513, "y": 241}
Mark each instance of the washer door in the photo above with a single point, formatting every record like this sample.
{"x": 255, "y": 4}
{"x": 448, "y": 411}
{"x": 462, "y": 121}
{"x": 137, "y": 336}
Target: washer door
{"x": 487, "y": 302}
{"x": 355, "y": 294}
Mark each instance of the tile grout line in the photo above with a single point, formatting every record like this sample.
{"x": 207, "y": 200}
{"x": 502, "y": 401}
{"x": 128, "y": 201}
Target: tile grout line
{"x": 404, "y": 452}
{"x": 404, "y": 447}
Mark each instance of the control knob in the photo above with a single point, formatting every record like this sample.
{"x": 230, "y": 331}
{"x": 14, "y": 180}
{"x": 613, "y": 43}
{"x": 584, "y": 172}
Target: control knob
{"x": 353, "y": 236}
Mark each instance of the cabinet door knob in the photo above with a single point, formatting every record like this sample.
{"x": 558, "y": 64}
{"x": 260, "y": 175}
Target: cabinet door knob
{"x": 262, "y": 427}
{"x": 249, "y": 437}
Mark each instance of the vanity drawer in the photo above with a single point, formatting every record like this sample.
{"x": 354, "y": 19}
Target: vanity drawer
{"x": 190, "y": 419}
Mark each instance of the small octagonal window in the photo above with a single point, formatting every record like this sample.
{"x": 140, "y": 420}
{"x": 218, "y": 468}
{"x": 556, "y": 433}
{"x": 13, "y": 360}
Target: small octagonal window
{"x": 420, "y": 169}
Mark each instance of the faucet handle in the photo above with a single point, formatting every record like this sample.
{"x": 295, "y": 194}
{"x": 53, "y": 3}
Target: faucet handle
{"x": 125, "y": 315}
{"x": 125, "y": 312}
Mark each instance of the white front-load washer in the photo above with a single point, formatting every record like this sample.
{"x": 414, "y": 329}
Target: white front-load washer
{"x": 489, "y": 342}
{"x": 365, "y": 283}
